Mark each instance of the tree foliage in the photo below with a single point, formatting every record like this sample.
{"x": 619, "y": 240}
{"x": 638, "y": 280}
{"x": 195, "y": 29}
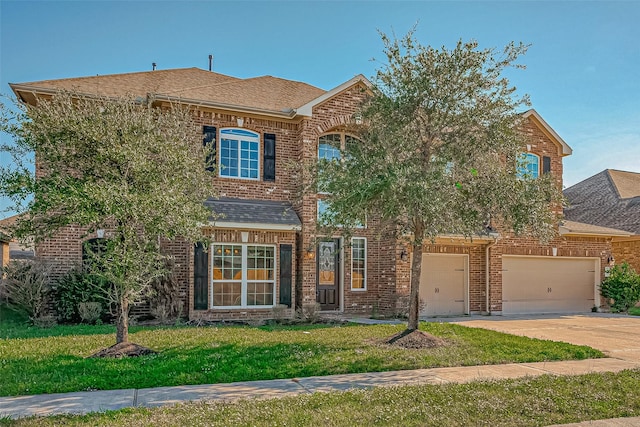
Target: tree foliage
{"x": 440, "y": 151}
{"x": 622, "y": 287}
{"x": 121, "y": 165}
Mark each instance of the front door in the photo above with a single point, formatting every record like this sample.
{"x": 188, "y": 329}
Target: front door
{"x": 328, "y": 277}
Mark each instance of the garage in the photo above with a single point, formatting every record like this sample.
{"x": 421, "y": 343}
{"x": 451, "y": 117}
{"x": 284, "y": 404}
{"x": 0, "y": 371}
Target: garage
{"x": 548, "y": 284}
{"x": 444, "y": 285}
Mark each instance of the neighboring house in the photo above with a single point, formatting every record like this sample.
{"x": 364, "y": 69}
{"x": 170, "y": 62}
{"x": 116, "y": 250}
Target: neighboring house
{"x": 610, "y": 198}
{"x": 14, "y": 249}
{"x": 265, "y": 251}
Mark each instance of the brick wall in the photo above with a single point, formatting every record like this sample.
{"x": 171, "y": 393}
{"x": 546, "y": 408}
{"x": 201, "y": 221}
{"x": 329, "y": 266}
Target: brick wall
{"x": 627, "y": 249}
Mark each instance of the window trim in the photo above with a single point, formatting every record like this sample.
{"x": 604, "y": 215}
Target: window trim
{"x": 244, "y": 281}
{"x": 256, "y": 138}
{"x": 364, "y": 279}
{"x": 524, "y": 162}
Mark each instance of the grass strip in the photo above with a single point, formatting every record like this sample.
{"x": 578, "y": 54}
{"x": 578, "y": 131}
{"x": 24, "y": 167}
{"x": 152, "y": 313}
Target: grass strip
{"x": 538, "y": 401}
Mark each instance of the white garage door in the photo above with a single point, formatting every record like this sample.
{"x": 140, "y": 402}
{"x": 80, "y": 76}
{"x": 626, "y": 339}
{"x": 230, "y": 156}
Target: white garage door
{"x": 443, "y": 284}
{"x": 548, "y": 285}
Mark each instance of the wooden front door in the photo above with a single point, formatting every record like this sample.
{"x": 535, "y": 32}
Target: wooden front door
{"x": 328, "y": 277}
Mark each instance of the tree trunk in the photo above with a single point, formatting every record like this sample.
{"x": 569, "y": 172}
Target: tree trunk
{"x": 122, "y": 321}
{"x": 414, "y": 298}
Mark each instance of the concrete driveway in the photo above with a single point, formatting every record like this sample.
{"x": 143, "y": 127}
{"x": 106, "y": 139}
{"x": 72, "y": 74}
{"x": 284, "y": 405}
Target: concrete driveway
{"x": 617, "y": 336}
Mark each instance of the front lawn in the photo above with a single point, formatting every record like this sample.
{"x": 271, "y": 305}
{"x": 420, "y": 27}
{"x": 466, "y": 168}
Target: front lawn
{"x": 522, "y": 402}
{"x": 34, "y": 360}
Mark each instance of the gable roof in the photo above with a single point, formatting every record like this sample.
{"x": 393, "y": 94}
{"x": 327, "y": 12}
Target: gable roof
{"x": 544, "y": 126}
{"x": 188, "y": 85}
{"x": 610, "y": 198}
{"x": 627, "y": 184}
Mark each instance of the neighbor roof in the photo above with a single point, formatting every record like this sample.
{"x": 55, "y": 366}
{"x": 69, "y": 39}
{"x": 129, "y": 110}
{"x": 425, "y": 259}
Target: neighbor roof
{"x": 259, "y": 214}
{"x": 610, "y": 198}
{"x": 189, "y": 85}
{"x": 627, "y": 183}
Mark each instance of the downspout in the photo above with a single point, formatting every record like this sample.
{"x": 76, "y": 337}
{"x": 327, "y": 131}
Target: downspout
{"x": 487, "y": 275}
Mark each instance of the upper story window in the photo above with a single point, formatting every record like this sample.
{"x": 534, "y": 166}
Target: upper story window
{"x": 329, "y": 147}
{"x": 239, "y": 153}
{"x": 528, "y": 166}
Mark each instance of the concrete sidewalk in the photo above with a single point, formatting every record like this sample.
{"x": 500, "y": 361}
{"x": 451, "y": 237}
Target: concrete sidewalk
{"x": 84, "y": 402}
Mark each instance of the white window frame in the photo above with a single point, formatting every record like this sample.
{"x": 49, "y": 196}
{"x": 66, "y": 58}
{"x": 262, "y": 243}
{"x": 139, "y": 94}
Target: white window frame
{"x": 244, "y": 281}
{"x": 364, "y": 278}
{"x": 239, "y": 135}
{"x": 523, "y": 166}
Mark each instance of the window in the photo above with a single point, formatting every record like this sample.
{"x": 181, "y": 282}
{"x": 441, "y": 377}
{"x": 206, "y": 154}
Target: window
{"x": 329, "y": 147}
{"x": 322, "y": 207}
{"x": 528, "y": 166}
{"x": 243, "y": 276}
{"x": 239, "y": 153}
{"x": 359, "y": 264}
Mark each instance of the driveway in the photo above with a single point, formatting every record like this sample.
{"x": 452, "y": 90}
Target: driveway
{"x": 617, "y": 336}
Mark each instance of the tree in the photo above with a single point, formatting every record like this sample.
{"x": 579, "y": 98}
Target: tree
{"x": 440, "y": 152}
{"x": 121, "y": 165}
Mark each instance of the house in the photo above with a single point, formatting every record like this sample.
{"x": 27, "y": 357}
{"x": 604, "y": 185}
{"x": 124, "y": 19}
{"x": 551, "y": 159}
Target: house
{"x": 265, "y": 251}
{"x": 610, "y": 198}
{"x": 12, "y": 249}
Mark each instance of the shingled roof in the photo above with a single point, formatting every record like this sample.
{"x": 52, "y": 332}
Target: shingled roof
{"x": 190, "y": 85}
{"x": 262, "y": 214}
{"x": 610, "y": 198}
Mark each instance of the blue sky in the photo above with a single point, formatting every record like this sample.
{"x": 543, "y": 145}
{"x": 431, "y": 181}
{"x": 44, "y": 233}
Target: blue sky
{"x": 582, "y": 73}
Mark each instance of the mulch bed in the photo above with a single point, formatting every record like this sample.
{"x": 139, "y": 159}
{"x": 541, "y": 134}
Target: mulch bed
{"x": 124, "y": 349}
{"x": 414, "y": 339}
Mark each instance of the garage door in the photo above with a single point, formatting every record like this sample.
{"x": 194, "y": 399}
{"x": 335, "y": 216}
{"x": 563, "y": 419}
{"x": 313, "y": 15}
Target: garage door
{"x": 443, "y": 285}
{"x": 548, "y": 285}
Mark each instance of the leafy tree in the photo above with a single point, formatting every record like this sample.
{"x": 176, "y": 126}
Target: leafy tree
{"x": 440, "y": 153}
{"x": 121, "y": 165}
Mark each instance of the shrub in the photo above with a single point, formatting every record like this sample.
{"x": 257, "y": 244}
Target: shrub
{"x": 622, "y": 287}
{"x": 77, "y": 287}
{"x": 309, "y": 313}
{"x": 26, "y": 287}
{"x": 90, "y": 312}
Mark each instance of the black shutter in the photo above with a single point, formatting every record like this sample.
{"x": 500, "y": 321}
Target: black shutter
{"x": 269, "y": 157}
{"x": 546, "y": 164}
{"x": 285, "y": 274}
{"x": 200, "y": 277}
{"x": 209, "y": 142}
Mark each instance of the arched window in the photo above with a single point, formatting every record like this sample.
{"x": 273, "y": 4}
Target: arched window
{"x": 528, "y": 166}
{"x": 239, "y": 153}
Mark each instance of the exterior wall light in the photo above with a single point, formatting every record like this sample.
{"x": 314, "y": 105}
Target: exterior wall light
{"x": 404, "y": 255}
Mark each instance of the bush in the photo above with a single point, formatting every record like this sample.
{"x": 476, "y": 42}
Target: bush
{"x": 75, "y": 288}
{"x": 26, "y": 287}
{"x": 622, "y": 287}
{"x": 90, "y": 312}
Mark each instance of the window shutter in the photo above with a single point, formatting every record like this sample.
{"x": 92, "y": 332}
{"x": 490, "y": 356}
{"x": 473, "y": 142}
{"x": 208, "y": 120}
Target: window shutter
{"x": 269, "y": 157}
{"x": 200, "y": 277}
{"x": 546, "y": 164}
{"x": 209, "y": 142}
{"x": 285, "y": 274}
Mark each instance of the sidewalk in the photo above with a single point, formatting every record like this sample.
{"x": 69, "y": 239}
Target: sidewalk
{"x": 84, "y": 402}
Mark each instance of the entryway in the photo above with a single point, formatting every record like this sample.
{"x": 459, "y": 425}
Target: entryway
{"x": 328, "y": 275}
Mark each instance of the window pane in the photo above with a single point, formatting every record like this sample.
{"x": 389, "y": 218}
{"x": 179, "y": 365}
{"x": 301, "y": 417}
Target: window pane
{"x": 528, "y": 166}
{"x": 260, "y": 293}
{"x": 227, "y": 294}
{"x": 329, "y": 147}
{"x": 358, "y": 263}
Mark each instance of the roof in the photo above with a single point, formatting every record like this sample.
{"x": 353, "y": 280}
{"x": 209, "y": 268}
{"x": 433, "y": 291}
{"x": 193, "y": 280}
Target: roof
{"x": 610, "y": 198}
{"x": 573, "y": 227}
{"x": 566, "y": 150}
{"x": 253, "y": 214}
{"x": 188, "y": 85}
{"x": 626, "y": 183}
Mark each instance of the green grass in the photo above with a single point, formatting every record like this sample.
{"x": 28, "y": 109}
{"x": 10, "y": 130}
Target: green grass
{"x": 524, "y": 402}
{"x": 635, "y": 311}
{"x": 35, "y": 360}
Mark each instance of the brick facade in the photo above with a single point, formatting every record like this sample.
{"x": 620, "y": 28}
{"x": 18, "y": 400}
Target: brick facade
{"x": 388, "y": 274}
{"x": 627, "y": 250}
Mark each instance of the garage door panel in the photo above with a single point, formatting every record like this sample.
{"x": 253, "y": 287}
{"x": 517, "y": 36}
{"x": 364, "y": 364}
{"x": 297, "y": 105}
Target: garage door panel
{"x": 443, "y": 284}
{"x": 548, "y": 285}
